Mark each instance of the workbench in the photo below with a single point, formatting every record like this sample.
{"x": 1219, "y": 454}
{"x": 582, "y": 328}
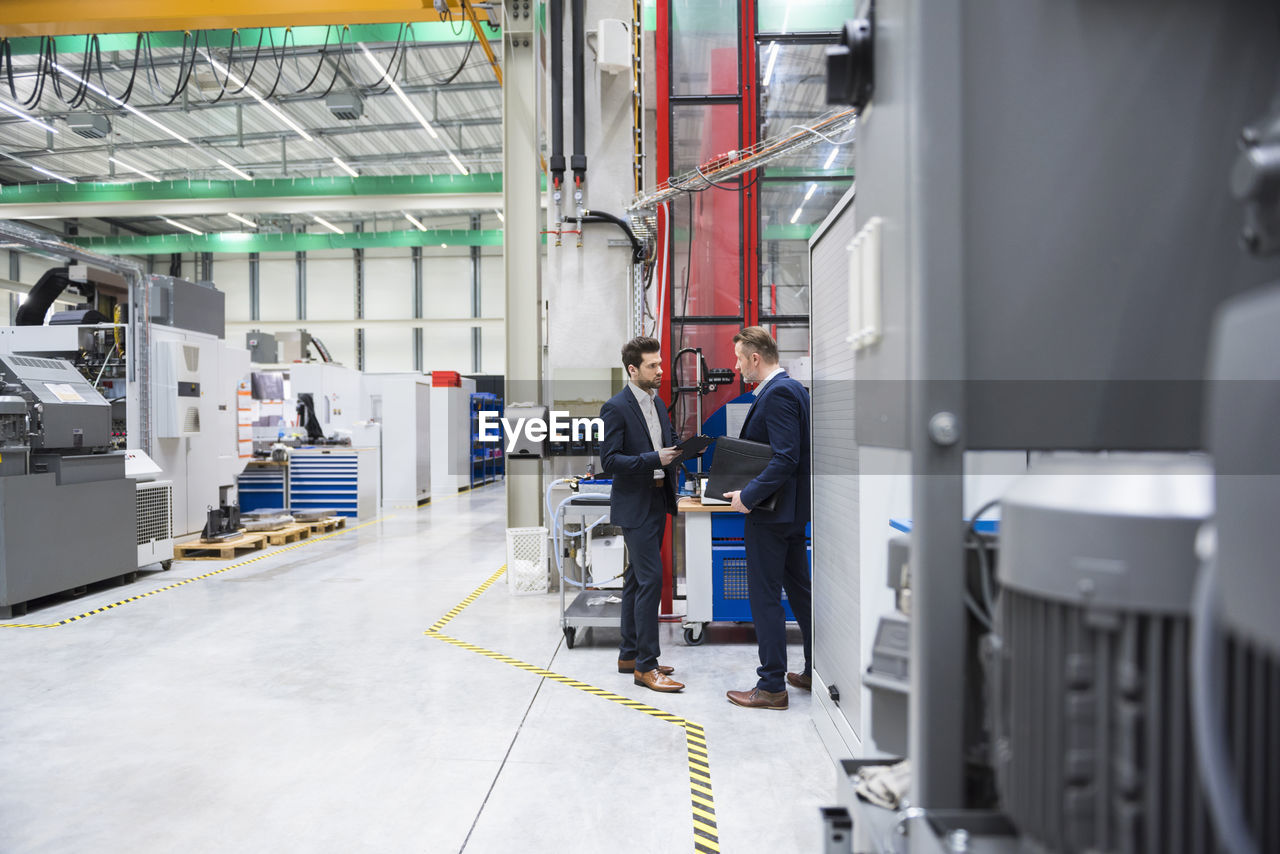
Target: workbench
{"x": 715, "y": 561}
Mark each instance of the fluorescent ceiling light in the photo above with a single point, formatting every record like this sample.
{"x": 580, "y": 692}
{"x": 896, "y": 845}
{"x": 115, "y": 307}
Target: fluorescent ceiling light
{"x": 773, "y": 57}
{"x": 328, "y": 225}
{"x": 383, "y": 75}
{"x": 831, "y": 158}
{"x": 275, "y": 111}
{"x": 416, "y": 222}
{"x": 345, "y": 168}
{"x": 809, "y": 195}
{"x": 134, "y": 110}
{"x": 795, "y": 216}
{"x": 243, "y": 220}
{"x": 240, "y": 172}
{"x": 117, "y": 161}
{"x": 501, "y": 218}
{"x": 64, "y": 179}
{"x": 149, "y": 120}
{"x": 27, "y": 117}
{"x": 181, "y": 226}
{"x": 444, "y": 245}
{"x": 395, "y": 87}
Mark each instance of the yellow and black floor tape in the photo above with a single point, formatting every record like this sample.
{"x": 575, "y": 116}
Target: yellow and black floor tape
{"x": 261, "y": 556}
{"x": 705, "y": 835}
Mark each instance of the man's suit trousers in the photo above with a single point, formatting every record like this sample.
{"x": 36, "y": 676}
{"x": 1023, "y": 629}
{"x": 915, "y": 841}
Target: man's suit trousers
{"x": 642, "y": 586}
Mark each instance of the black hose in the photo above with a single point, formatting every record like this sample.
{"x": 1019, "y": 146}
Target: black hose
{"x": 41, "y": 297}
{"x": 579, "y": 161}
{"x": 637, "y": 248}
{"x": 557, "y": 92}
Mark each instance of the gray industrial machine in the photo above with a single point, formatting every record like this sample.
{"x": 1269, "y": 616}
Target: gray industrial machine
{"x": 196, "y": 306}
{"x": 1087, "y": 692}
{"x": 262, "y": 348}
{"x": 68, "y": 510}
{"x": 1235, "y": 670}
{"x": 1043, "y": 236}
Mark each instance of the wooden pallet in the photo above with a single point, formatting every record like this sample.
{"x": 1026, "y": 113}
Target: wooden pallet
{"x": 196, "y": 550}
{"x": 287, "y": 534}
{"x": 333, "y": 523}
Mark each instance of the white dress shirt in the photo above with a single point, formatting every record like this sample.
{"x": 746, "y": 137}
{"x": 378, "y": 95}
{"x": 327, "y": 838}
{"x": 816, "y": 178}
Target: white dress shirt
{"x": 650, "y": 410}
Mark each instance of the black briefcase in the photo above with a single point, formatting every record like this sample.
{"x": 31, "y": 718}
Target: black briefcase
{"x": 736, "y": 463}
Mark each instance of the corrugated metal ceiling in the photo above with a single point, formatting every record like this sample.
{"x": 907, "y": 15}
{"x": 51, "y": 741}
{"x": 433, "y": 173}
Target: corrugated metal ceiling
{"x": 450, "y": 83}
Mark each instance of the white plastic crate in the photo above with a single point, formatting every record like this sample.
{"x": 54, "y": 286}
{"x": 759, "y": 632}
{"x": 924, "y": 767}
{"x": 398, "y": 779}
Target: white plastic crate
{"x": 526, "y": 561}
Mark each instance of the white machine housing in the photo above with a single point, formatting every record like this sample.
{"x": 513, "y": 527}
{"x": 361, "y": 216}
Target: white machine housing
{"x": 402, "y": 404}
{"x": 155, "y": 522}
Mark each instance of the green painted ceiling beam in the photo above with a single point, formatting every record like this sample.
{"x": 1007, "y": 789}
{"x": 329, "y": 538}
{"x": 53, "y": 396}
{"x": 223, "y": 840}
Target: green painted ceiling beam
{"x": 806, "y": 173}
{"x": 419, "y": 33}
{"x": 370, "y": 185}
{"x": 244, "y": 243}
{"x": 788, "y": 232}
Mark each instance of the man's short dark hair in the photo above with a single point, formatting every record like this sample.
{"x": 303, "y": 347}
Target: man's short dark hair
{"x": 633, "y": 351}
{"x": 757, "y": 339}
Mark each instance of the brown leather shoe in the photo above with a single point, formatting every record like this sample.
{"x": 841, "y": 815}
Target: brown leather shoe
{"x": 655, "y": 680}
{"x": 757, "y": 699}
{"x": 799, "y": 680}
{"x": 628, "y": 665}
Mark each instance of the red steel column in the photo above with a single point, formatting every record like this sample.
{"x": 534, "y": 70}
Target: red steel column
{"x": 750, "y": 136}
{"x": 662, "y": 55}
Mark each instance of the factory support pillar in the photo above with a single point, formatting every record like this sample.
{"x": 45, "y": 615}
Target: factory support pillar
{"x": 522, "y": 262}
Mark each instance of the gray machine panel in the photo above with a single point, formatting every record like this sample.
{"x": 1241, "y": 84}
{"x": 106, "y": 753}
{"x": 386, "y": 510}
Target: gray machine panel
{"x": 197, "y": 306}
{"x": 73, "y": 414}
{"x": 1098, "y": 228}
{"x": 1242, "y": 424}
{"x": 837, "y": 574}
{"x": 38, "y": 559}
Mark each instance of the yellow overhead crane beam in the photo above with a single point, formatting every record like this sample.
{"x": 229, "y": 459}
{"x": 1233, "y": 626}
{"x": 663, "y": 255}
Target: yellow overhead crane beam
{"x": 71, "y": 17}
{"x": 484, "y": 42}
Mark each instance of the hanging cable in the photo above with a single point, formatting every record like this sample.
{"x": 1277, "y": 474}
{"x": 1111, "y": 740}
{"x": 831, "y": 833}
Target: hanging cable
{"x": 284, "y": 53}
{"x": 253, "y": 66}
{"x": 461, "y": 65}
{"x": 133, "y": 75}
{"x": 324, "y": 54}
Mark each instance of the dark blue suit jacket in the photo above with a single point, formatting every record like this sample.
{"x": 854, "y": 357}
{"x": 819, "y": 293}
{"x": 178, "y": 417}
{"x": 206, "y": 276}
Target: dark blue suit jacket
{"x": 780, "y": 418}
{"x": 628, "y": 456}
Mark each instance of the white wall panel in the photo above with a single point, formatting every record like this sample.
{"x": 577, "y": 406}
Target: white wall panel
{"x": 32, "y": 267}
{"x": 388, "y": 286}
{"x": 493, "y": 290}
{"x": 446, "y": 284}
{"x": 331, "y": 285}
{"x": 388, "y": 349}
{"x": 339, "y": 338}
{"x": 447, "y": 348}
{"x": 231, "y": 275}
{"x": 493, "y": 351}
{"x": 277, "y": 288}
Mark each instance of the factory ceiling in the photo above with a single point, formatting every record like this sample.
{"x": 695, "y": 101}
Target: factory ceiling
{"x": 270, "y": 124}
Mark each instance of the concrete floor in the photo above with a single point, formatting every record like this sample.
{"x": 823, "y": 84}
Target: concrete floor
{"x": 294, "y": 704}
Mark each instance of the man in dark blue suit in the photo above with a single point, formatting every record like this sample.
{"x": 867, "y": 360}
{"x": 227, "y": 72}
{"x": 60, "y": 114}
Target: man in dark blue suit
{"x": 776, "y": 544}
{"x": 637, "y": 453}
